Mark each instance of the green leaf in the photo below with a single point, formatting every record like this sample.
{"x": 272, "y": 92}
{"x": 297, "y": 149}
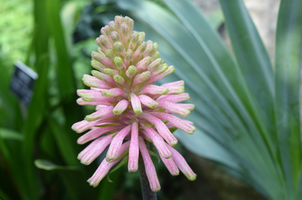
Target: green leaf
{"x": 216, "y": 19}
{"x": 11, "y": 158}
{"x": 120, "y": 164}
{"x": 47, "y": 165}
{"x": 10, "y": 113}
{"x": 64, "y": 70}
{"x": 64, "y": 142}
{"x": 287, "y": 90}
{"x": 8, "y": 134}
{"x": 39, "y": 99}
{"x": 255, "y": 66}
{"x": 173, "y": 129}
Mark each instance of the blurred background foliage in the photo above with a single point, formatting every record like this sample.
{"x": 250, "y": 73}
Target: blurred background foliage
{"x": 247, "y": 110}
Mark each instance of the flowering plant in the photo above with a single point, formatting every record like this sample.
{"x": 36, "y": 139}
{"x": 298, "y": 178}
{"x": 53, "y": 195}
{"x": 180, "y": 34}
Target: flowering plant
{"x": 131, "y": 112}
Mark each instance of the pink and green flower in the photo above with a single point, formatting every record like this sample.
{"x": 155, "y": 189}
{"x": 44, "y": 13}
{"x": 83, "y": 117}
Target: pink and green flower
{"x": 131, "y": 111}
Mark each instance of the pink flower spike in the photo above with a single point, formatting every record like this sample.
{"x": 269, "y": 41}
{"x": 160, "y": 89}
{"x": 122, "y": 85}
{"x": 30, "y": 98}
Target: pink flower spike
{"x": 175, "y": 98}
{"x": 158, "y": 142}
{"x": 83, "y": 125}
{"x": 129, "y": 109}
{"x": 171, "y": 166}
{"x": 133, "y": 149}
{"x": 101, "y": 114}
{"x": 184, "y": 125}
{"x": 149, "y": 166}
{"x": 174, "y": 108}
{"x": 136, "y": 104}
{"x": 105, "y": 166}
{"x": 96, "y": 132}
{"x": 161, "y": 128}
{"x": 182, "y": 164}
{"x": 121, "y": 107}
{"x": 116, "y": 143}
{"x": 148, "y": 101}
{"x": 154, "y": 89}
{"x": 96, "y": 150}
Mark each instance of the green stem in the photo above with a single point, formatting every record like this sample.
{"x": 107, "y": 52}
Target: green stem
{"x": 147, "y": 193}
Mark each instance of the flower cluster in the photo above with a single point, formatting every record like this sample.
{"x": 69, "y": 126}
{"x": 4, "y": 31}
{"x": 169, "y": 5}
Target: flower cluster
{"x": 130, "y": 110}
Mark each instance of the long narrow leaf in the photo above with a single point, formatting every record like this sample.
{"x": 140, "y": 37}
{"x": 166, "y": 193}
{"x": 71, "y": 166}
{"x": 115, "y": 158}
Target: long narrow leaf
{"x": 37, "y": 106}
{"x": 255, "y": 66}
{"x": 63, "y": 67}
{"x": 287, "y": 89}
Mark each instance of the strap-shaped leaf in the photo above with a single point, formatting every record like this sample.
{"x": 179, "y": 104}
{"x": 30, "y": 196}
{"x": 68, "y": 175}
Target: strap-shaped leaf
{"x": 10, "y": 114}
{"x": 37, "y": 105}
{"x": 255, "y": 65}
{"x": 287, "y": 89}
{"x": 63, "y": 66}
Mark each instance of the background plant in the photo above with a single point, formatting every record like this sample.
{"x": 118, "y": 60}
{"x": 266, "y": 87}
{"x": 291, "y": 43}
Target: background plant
{"x": 247, "y": 110}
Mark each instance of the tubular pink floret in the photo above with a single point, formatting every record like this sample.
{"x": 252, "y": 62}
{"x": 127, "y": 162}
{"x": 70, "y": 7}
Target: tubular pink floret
{"x": 97, "y": 149}
{"x": 96, "y": 132}
{"x": 149, "y": 166}
{"x": 136, "y": 104}
{"x": 174, "y": 108}
{"x": 87, "y": 149}
{"x": 129, "y": 109}
{"x": 139, "y": 78}
{"x": 169, "y": 71}
{"x": 91, "y": 81}
{"x": 154, "y": 89}
{"x": 157, "y": 141}
{"x": 95, "y": 96}
{"x": 141, "y": 65}
{"x": 188, "y": 106}
{"x": 83, "y": 125}
{"x": 114, "y": 92}
{"x": 182, "y": 164}
{"x": 105, "y": 166}
{"x": 171, "y": 166}
{"x": 161, "y": 128}
{"x": 81, "y": 102}
{"x": 99, "y": 107}
{"x": 116, "y": 143}
{"x": 148, "y": 101}
{"x": 101, "y": 114}
{"x": 133, "y": 149}
{"x": 121, "y": 107}
{"x": 184, "y": 125}
{"x": 174, "y": 98}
